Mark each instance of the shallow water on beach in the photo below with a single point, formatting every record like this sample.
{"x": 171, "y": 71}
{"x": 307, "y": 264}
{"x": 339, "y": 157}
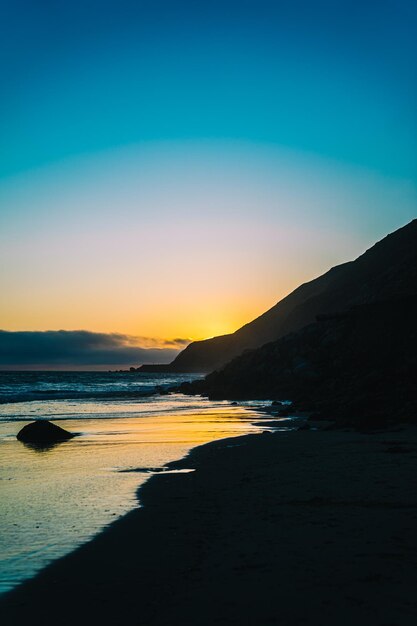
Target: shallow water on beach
{"x": 56, "y": 498}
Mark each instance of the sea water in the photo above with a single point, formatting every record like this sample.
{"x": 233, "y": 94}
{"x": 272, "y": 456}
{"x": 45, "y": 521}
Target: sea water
{"x": 55, "y": 498}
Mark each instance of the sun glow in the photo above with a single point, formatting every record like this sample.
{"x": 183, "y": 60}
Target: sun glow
{"x": 179, "y": 240}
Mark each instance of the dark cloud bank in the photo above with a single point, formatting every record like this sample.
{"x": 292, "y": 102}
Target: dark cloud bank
{"x": 81, "y": 349}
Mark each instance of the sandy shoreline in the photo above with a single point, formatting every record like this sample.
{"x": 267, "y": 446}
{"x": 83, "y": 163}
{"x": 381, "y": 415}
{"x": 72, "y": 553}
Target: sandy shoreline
{"x": 289, "y": 528}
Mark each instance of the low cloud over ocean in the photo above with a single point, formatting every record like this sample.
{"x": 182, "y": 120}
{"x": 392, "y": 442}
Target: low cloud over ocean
{"x": 81, "y": 349}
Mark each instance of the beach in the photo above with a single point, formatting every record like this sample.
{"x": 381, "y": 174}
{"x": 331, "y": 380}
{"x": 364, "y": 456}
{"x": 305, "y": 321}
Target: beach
{"x": 55, "y": 498}
{"x": 300, "y": 527}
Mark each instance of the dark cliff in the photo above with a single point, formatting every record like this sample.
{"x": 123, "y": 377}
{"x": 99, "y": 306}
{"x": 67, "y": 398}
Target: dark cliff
{"x": 356, "y": 367}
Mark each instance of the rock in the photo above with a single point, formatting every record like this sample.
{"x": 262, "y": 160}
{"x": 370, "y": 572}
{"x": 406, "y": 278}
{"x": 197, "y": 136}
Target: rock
{"x": 43, "y": 431}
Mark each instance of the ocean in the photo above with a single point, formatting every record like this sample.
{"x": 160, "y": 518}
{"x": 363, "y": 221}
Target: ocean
{"x": 54, "y": 499}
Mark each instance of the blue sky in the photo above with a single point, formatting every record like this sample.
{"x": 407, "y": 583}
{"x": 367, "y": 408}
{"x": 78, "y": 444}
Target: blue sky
{"x": 335, "y": 78}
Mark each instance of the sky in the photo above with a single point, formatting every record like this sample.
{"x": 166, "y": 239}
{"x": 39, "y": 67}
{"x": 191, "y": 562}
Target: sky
{"x": 170, "y": 170}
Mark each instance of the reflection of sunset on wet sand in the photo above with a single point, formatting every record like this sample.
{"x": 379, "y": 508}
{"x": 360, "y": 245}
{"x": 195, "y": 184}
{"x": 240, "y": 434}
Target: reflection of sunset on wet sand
{"x": 88, "y": 484}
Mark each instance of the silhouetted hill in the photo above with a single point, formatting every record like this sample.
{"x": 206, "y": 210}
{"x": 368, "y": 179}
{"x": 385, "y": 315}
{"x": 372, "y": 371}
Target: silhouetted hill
{"x": 357, "y": 367}
{"x": 387, "y": 270}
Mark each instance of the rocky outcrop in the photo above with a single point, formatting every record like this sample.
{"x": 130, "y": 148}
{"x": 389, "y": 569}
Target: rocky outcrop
{"x": 359, "y": 368}
{"x": 43, "y": 432}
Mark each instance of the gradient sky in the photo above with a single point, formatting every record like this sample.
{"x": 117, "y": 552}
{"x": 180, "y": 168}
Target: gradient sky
{"x": 172, "y": 169}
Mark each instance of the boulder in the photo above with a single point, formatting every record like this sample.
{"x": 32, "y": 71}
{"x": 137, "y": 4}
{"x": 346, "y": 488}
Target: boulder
{"x": 43, "y": 431}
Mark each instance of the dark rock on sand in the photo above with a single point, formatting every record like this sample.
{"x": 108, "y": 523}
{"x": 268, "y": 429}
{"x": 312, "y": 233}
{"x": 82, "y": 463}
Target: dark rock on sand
{"x": 43, "y": 432}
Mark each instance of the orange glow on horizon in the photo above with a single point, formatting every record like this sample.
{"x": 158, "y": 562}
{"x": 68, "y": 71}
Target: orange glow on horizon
{"x": 192, "y": 323}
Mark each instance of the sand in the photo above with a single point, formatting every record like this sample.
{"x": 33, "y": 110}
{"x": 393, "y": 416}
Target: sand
{"x": 311, "y": 527}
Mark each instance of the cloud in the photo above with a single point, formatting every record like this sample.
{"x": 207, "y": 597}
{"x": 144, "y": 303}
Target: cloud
{"x": 152, "y": 342}
{"x": 179, "y": 343}
{"x": 81, "y": 349}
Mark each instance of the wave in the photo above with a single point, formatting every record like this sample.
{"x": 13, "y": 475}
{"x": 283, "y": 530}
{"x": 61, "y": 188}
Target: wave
{"x": 73, "y": 394}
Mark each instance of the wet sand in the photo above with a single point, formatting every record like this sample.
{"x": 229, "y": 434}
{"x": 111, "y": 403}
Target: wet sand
{"x": 56, "y": 498}
{"x": 289, "y": 528}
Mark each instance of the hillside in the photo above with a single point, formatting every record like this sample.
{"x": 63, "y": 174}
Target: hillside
{"x": 387, "y": 270}
{"x": 357, "y": 367}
